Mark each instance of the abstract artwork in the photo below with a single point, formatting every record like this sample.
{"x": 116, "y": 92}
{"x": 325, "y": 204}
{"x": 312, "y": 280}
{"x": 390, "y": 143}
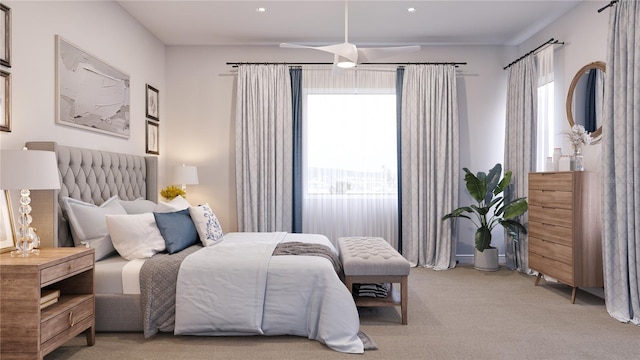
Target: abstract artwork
{"x": 91, "y": 94}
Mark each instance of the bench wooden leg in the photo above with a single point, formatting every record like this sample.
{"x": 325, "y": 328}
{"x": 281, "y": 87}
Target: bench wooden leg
{"x": 404, "y": 298}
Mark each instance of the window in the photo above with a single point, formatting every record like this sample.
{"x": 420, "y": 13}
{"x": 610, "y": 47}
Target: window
{"x": 350, "y": 151}
{"x": 545, "y": 130}
{"x": 351, "y": 144}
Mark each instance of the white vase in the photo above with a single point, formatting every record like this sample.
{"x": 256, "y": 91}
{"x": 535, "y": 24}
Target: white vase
{"x": 557, "y": 153}
{"x": 486, "y": 260}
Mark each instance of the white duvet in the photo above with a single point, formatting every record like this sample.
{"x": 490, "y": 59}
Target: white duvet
{"x": 237, "y": 287}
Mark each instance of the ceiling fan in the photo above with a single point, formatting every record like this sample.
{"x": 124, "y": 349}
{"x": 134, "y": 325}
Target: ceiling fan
{"x": 347, "y": 55}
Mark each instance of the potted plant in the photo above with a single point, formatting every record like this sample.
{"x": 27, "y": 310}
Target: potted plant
{"x": 491, "y": 209}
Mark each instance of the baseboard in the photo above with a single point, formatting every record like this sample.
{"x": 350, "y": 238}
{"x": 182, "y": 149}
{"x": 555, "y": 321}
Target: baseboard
{"x": 468, "y": 259}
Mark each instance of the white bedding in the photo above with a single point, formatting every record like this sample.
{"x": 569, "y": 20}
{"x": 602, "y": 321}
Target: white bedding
{"x": 117, "y": 275}
{"x": 222, "y": 290}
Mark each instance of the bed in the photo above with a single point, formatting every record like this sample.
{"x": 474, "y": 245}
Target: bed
{"x": 298, "y": 295}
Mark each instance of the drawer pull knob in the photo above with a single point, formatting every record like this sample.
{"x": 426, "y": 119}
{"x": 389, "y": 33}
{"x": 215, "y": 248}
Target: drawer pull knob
{"x": 71, "y": 319}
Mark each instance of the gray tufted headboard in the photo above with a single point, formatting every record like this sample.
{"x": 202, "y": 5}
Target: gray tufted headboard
{"x": 92, "y": 176}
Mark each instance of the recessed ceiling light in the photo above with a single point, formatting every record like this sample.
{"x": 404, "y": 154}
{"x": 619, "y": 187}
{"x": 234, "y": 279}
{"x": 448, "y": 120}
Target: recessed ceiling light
{"x": 412, "y": 9}
{"x": 261, "y": 9}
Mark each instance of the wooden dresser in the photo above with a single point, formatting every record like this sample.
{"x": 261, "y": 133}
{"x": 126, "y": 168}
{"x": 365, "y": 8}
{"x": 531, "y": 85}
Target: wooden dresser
{"x": 26, "y": 331}
{"x": 565, "y": 228}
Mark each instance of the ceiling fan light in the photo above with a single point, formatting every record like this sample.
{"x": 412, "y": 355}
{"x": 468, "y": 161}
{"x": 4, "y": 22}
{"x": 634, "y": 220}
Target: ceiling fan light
{"x": 345, "y": 63}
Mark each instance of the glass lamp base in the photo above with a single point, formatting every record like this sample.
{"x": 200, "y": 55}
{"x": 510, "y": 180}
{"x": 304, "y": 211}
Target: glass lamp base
{"x": 25, "y": 253}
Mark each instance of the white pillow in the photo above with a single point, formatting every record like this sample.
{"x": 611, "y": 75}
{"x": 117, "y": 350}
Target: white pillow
{"x": 207, "y": 224}
{"x": 88, "y": 226}
{"x": 135, "y": 236}
{"x": 138, "y": 206}
{"x": 178, "y": 203}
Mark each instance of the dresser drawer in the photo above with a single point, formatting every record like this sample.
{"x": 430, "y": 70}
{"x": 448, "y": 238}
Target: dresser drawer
{"x": 561, "y": 181}
{"x": 553, "y": 216}
{"x": 550, "y": 267}
{"x": 551, "y": 250}
{"x": 66, "y": 318}
{"x": 552, "y": 198}
{"x": 557, "y": 234}
{"x": 65, "y": 269}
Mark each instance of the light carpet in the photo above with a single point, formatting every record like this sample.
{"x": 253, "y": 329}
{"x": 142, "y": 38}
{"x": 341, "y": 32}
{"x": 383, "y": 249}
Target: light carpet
{"x": 454, "y": 314}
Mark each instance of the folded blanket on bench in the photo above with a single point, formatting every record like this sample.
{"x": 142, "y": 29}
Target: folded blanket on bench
{"x": 310, "y": 249}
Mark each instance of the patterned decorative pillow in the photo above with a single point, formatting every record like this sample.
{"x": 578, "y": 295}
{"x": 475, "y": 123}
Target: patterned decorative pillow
{"x": 207, "y": 224}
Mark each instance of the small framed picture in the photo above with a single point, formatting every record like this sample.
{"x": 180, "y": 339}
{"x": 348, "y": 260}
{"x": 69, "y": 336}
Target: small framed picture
{"x": 153, "y": 138}
{"x": 7, "y": 230}
{"x": 5, "y": 35}
{"x": 153, "y": 103}
{"x": 5, "y": 101}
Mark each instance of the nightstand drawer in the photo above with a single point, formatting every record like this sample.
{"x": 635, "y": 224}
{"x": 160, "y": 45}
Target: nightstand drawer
{"x": 65, "y": 269}
{"x": 66, "y": 318}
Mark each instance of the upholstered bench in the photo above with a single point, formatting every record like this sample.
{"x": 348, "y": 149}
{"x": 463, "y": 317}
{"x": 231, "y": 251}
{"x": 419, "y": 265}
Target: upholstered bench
{"x": 371, "y": 260}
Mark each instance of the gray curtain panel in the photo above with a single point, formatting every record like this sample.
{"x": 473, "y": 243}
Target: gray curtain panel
{"x": 621, "y": 174}
{"x": 519, "y": 148}
{"x": 429, "y": 164}
{"x": 263, "y": 148}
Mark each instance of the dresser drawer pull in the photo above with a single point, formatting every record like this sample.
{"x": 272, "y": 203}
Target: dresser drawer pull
{"x": 71, "y": 319}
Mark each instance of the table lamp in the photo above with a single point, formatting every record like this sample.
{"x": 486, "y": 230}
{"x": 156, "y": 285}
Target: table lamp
{"x": 26, "y": 170}
{"x": 185, "y": 175}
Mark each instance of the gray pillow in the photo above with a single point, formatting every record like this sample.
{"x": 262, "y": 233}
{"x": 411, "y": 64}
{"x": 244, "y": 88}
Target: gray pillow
{"x": 177, "y": 229}
{"x": 88, "y": 223}
{"x": 138, "y": 206}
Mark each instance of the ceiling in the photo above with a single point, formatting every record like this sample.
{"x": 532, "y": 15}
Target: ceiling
{"x": 378, "y": 23}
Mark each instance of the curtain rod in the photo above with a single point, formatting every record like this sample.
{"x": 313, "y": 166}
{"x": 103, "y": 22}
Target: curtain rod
{"x": 551, "y": 41}
{"x": 610, "y": 4}
{"x": 236, "y": 64}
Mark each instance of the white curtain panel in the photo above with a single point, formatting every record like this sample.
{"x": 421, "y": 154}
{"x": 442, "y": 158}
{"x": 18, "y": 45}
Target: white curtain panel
{"x": 263, "y": 148}
{"x": 621, "y": 165}
{"x": 349, "y": 152}
{"x": 519, "y": 148}
{"x": 430, "y": 173}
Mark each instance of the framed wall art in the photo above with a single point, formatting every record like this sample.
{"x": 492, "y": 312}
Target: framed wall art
{"x": 153, "y": 103}
{"x": 5, "y": 35}
{"x": 91, "y": 94}
{"x": 5, "y": 101}
{"x": 153, "y": 137}
{"x": 7, "y": 229}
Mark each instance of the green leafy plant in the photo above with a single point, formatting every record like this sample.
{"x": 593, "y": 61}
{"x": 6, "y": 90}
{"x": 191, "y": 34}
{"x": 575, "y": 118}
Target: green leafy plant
{"x": 490, "y": 208}
{"x": 171, "y": 192}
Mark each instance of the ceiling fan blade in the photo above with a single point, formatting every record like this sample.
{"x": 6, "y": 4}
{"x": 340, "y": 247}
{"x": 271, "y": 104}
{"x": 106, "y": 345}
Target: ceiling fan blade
{"x": 345, "y": 50}
{"x": 370, "y": 54}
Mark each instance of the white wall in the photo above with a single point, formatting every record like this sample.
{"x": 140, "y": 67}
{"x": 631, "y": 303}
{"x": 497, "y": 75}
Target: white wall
{"x": 103, "y": 29}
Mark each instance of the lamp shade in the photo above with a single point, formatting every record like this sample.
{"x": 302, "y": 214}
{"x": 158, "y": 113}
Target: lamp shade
{"x": 28, "y": 169}
{"x": 187, "y": 175}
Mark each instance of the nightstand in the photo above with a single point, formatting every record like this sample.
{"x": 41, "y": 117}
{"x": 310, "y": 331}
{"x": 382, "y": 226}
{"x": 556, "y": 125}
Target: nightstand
{"x": 26, "y": 331}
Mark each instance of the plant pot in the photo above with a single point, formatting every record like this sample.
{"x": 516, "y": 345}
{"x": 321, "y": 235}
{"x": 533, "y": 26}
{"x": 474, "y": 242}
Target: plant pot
{"x": 486, "y": 260}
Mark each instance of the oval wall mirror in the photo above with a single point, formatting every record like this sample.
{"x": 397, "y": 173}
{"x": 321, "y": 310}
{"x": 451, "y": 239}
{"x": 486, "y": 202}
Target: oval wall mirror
{"x": 585, "y": 100}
